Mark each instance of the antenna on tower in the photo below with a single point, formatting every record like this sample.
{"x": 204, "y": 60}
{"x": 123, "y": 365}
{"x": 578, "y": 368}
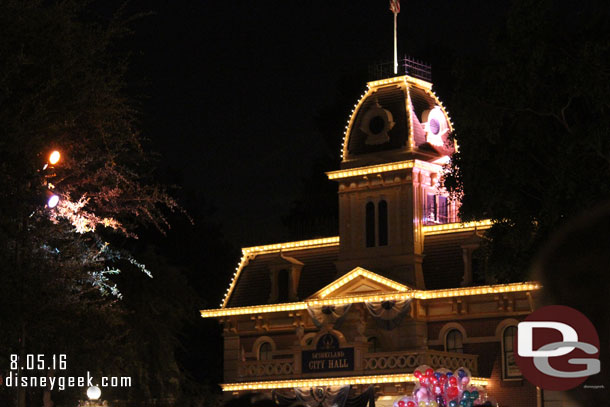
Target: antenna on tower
{"x": 395, "y": 8}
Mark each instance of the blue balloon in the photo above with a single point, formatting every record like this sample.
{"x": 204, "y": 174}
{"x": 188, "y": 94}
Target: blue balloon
{"x": 437, "y": 375}
{"x": 461, "y": 373}
{"x": 449, "y": 374}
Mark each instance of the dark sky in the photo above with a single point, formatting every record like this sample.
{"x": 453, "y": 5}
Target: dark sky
{"x": 231, "y": 88}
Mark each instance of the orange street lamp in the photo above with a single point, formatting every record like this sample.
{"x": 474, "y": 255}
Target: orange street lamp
{"x": 54, "y": 157}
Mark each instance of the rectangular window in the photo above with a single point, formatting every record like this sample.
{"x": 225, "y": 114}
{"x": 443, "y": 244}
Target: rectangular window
{"x": 443, "y": 209}
{"x": 430, "y": 209}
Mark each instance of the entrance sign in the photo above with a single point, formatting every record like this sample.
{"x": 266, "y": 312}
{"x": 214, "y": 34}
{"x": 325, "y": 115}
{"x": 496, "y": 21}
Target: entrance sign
{"x": 327, "y": 357}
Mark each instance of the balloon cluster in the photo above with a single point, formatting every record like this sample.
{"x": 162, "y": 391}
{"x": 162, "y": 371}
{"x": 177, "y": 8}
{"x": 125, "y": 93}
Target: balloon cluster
{"x": 442, "y": 388}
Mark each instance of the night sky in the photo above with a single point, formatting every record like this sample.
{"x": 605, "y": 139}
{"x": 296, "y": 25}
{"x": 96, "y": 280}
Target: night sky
{"x": 229, "y": 90}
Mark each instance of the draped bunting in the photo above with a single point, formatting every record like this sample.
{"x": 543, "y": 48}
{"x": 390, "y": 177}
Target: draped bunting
{"x": 325, "y": 397}
{"x": 388, "y": 314}
{"x": 328, "y": 314}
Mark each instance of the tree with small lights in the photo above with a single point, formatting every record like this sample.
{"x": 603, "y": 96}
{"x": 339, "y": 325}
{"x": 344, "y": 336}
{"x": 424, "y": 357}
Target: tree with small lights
{"x": 76, "y": 184}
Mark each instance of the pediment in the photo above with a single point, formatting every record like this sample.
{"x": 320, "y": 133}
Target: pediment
{"x": 359, "y": 281}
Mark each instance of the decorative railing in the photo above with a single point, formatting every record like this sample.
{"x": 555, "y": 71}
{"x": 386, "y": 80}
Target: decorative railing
{"x": 268, "y": 368}
{"x": 388, "y": 362}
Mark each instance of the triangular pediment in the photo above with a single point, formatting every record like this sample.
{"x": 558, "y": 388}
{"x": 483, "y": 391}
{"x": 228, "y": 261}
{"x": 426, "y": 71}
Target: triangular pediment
{"x": 359, "y": 281}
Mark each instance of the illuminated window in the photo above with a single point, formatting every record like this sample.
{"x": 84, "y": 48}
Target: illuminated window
{"x": 264, "y": 351}
{"x": 443, "y": 212}
{"x": 430, "y": 209}
{"x": 454, "y": 341}
{"x": 370, "y": 224}
{"x": 373, "y": 344}
{"x": 383, "y": 223}
{"x": 510, "y": 370}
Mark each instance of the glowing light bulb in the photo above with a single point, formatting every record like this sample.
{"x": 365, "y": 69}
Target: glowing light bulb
{"x": 94, "y": 393}
{"x": 54, "y": 157}
{"x": 53, "y": 201}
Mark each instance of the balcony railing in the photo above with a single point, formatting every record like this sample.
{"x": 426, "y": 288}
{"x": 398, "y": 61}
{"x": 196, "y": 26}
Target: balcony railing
{"x": 267, "y": 368}
{"x": 395, "y": 362}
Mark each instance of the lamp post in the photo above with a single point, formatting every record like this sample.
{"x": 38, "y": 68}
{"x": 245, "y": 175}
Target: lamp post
{"x": 54, "y": 157}
{"x": 52, "y": 199}
{"x": 93, "y": 394}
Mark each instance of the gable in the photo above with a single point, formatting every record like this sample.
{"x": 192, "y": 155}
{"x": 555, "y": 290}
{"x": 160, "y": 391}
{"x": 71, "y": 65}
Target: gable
{"x": 359, "y": 281}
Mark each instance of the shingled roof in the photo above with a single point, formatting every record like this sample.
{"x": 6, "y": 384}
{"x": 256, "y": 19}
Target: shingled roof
{"x": 443, "y": 268}
{"x": 254, "y": 284}
{"x": 443, "y": 262}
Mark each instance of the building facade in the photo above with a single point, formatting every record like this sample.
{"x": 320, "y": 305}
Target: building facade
{"x": 359, "y": 312}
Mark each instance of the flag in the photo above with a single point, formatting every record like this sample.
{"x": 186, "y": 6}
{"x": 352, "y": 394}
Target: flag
{"x": 395, "y": 6}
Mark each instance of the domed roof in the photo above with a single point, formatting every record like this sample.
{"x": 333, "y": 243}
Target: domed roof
{"x": 397, "y": 119}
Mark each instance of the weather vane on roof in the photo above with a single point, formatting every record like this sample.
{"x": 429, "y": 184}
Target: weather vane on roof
{"x": 395, "y": 8}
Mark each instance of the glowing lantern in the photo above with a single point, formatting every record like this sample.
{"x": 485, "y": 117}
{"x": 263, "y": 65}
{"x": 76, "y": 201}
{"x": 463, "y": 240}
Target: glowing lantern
{"x": 54, "y": 157}
{"x": 53, "y": 201}
{"x": 94, "y": 393}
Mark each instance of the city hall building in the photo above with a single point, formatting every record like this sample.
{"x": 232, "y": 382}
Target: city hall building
{"x": 350, "y": 317}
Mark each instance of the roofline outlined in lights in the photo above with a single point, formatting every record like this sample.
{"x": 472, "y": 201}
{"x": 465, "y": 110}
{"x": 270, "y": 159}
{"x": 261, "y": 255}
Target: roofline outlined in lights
{"x": 333, "y": 381}
{"x": 389, "y": 296}
{"x": 251, "y": 252}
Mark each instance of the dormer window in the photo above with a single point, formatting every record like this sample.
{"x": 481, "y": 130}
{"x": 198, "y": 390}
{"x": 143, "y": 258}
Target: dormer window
{"x": 376, "y": 227}
{"x": 283, "y": 285}
{"x": 285, "y": 273}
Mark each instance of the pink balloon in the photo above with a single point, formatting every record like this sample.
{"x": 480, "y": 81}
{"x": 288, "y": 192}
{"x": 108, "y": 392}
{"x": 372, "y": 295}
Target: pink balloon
{"x": 421, "y": 395}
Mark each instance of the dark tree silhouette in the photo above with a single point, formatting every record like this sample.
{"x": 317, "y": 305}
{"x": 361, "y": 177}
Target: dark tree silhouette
{"x": 531, "y": 110}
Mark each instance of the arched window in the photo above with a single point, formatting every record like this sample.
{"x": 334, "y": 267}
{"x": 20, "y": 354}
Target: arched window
{"x": 454, "y": 342}
{"x": 264, "y": 351}
{"x": 370, "y": 224}
{"x": 283, "y": 290}
{"x": 383, "y": 223}
{"x": 373, "y": 344}
{"x": 510, "y": 370}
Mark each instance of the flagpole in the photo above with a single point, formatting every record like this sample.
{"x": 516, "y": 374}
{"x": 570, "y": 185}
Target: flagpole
{"x": 395, "y": 46}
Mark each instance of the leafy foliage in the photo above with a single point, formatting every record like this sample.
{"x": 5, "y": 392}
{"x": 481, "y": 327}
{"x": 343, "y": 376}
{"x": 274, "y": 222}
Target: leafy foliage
{"x": 62, "y": 87}
{"x": 532, "y": 116}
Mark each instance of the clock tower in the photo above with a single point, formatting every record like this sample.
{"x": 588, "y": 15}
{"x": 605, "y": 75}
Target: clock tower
{"x": 396, "y": 142}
